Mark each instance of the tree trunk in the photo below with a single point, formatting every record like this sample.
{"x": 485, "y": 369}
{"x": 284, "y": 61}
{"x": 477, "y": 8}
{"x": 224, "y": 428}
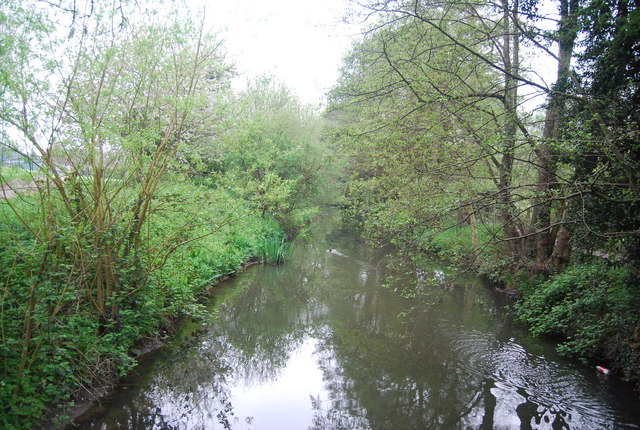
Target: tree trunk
{"x": 542, "y": 216}
{"x": 510, "y": 52}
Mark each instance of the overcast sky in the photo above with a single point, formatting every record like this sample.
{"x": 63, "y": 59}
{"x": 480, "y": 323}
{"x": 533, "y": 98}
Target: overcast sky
{"x": 300, "y": 42}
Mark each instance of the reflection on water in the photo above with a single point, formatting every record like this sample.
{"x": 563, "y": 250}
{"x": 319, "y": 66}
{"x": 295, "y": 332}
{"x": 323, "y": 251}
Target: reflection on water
{"x": 349, "y": 337}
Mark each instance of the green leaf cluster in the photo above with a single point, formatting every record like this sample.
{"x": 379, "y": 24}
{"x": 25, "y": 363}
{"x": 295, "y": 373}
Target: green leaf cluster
{"x": 269, "y": 152}
{"x": 594, "y": 307}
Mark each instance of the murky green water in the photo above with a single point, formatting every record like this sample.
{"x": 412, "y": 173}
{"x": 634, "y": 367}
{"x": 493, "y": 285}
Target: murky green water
{"x": 344, "y": 336}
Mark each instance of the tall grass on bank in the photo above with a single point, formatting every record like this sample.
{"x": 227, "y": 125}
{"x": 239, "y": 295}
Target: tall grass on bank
{"x": 274, "y": 249}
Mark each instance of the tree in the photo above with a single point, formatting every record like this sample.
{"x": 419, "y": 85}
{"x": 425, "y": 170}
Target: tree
{"x": 105, "y": 109}
{"x": 270, "y": 151}
{"x": 611, "y": 71}
{"x": 452, "y": 79}
{"x": 538, "y": 183}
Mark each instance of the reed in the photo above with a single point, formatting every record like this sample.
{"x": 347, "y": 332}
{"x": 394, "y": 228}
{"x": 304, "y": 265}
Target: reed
{"x": 275, "y": 249}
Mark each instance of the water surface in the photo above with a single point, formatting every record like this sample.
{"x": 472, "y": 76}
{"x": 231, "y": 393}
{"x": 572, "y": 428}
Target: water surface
{"x": 345, "y": 336}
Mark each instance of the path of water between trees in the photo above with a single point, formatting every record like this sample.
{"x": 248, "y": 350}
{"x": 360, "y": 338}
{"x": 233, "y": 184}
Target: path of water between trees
{"x": 346, "y": 336}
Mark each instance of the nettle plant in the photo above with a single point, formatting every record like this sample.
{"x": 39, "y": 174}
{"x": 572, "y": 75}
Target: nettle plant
{"x": 102, "y": 106}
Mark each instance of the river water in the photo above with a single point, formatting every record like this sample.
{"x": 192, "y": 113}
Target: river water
{"x": 345, "y": 336}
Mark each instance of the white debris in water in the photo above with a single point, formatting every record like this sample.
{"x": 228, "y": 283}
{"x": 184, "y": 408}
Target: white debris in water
{"x": 363, "y": 275}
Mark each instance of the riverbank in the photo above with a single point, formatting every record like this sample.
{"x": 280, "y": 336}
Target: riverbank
{"x": 379, "y": 343}
{"x": 60, "y": 350}
{"x": 269, "y": 247}
{"x": 86, "y": 400}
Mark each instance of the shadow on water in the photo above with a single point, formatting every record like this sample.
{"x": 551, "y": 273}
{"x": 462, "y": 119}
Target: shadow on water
{"x": 345, "y": 336}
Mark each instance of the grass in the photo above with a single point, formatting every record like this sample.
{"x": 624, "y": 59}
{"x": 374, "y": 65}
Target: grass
{"x": 11, "y": 173}
{"x": 274, "y": 249}
{"x": 457, "y": 241}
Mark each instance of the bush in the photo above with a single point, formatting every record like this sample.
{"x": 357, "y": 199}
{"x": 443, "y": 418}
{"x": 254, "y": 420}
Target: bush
{"x": 595, "y": 308}
{"x": 69, "y": 344}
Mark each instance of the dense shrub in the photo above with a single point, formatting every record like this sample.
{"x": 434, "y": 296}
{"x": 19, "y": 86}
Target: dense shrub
{"x": 44, "y": 309}
{"x": 595, "y": 308}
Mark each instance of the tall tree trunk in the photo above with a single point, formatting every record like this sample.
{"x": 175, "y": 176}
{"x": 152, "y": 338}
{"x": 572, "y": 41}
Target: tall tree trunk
{"x": 542, "y": 216}
{"x": 510, "y": 52}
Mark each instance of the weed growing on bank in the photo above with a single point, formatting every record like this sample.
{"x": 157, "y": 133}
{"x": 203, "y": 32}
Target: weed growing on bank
{"x": 594, "y": 307}
{"x": 54, "y": 339}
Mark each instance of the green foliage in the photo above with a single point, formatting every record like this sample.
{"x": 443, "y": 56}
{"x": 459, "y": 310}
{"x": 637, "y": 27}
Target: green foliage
{"x": 454, "y": 242}
{"x": 275, "y": 249}
{"x": 595, "y": 307}
{"x": 299, "y": 218}
{"x": 270, "y": 152}
{"x": 9, "y": 174}
{"x": 428, "y": 113}
{"x": 416, "y": 145}
{"x": 456, "y": 246}
{"x": 165, "y": 188}
{"x": 72, "y": 345}
{"x": 429, "y": 137}
{"x": 611, "y": 66}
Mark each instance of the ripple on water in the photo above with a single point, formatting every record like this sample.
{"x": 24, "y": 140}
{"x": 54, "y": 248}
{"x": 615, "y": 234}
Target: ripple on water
{"x": 527, "y": 388}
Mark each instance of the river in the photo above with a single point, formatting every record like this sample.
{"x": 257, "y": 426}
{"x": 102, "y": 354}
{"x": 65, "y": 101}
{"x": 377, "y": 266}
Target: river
{"x": 346, "y": 336}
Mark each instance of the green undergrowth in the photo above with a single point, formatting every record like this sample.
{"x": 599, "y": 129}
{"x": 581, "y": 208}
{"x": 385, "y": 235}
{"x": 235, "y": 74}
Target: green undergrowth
{"x": 53, "y": 339}
{"x": 594, "y": 307}
{"x": 455, "y": 245}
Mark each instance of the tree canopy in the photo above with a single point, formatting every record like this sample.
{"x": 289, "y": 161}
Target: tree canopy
{"x": 432, "y": 107}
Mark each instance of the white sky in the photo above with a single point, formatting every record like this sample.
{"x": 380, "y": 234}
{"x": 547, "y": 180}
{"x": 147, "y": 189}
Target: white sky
{"x": 300, "y": 42}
